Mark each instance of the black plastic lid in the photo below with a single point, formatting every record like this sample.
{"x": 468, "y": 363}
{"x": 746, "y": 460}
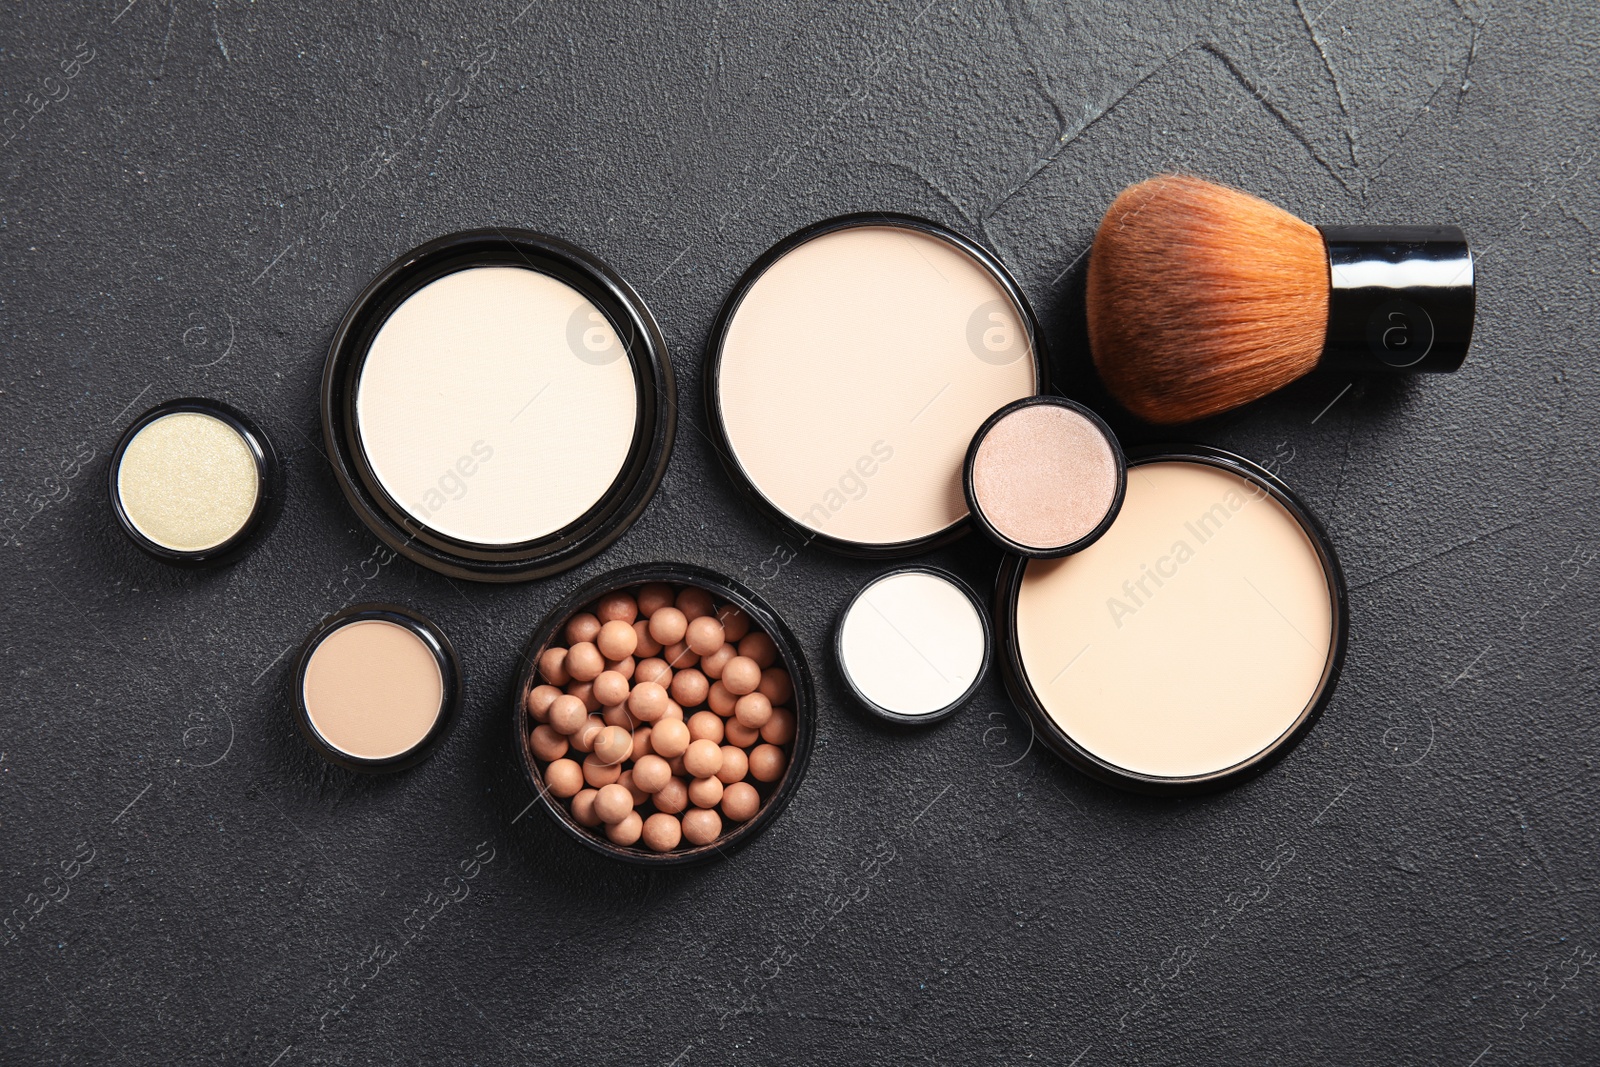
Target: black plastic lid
{"x": 742, "y": 481}
{"x": 989, "y": 530}
{"x": 1400, "y": 298}
{"x": 267, "y": 479}
{"x": 902, "y": 718}
{"x": 1009, "y": 585}
{"x": 654, "y": 427}
{"x": 444, "y": 654}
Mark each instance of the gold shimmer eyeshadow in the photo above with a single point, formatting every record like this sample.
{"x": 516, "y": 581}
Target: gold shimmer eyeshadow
{"x": 190, "y": 481}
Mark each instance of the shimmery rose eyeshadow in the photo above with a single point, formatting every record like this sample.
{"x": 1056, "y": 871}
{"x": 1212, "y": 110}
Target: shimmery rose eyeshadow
{"x": 1045, "y": 476}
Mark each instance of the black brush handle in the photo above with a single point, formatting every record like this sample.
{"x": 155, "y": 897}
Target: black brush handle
{"x": 1400, "y": 298}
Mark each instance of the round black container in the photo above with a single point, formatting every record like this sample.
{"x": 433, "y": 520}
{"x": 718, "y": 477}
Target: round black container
{"x": 896, "y": 717}
{"x": 724, "y": 449}
{"x": 1056, "y": 551}
{"x": 444, "y": 654}
{"x": 774, "y": 796}
{"x": 267, "y": 479}
{"x": 1045, "y": 727}
{"x": 654, "y": 426}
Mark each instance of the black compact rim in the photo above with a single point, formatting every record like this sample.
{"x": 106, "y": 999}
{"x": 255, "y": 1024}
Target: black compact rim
{"x": 261, "y": 451}
{"x": 713, "y": 369}
{"x": 990, "y": 531}
{"x": 444, "y": 653}
{"x": 896, "y": 717}
{"x": 1009, "y": 585}
{"x": 765, "y": 618}
{"x": 655, "y": 424}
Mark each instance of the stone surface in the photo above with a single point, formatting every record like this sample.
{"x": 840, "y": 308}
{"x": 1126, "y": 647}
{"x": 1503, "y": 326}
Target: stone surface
{"x": 207, "y": 186}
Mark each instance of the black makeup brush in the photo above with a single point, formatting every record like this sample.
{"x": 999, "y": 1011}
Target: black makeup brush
{"x": 1202, "y": 298}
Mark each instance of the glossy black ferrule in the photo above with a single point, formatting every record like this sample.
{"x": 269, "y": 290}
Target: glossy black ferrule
{"x": 1400, "y": 298}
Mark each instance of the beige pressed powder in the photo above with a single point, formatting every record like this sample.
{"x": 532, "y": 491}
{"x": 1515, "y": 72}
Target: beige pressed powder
{"x": 853, "y": 372}
{"x": 496, "y": 405}
{"x": 1197, "y": 632}
{"x": 372, "y": 689}
{"x": 188, "y": 482}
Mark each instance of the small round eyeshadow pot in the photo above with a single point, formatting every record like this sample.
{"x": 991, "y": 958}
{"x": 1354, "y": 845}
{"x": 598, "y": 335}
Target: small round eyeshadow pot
{"x": 376, "y": 688}
{"x": 1044, "y": 477}
{"x": 913, "y": 645}
{"x": 191, "y": 481}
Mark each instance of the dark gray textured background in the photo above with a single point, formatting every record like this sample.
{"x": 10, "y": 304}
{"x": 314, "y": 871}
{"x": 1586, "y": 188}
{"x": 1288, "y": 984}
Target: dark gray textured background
{"x": 1415, "y": 884}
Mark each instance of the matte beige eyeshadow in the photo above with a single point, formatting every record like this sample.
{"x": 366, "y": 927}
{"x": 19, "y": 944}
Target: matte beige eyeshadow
{"x": 1191, "y": 636}
{"x": 856, "y": 370}
{"x": 373, "y": 689}
{"x": 496, "y": 405}
{"x": 1044, "y": 476}
{"x": 188, "y": 481}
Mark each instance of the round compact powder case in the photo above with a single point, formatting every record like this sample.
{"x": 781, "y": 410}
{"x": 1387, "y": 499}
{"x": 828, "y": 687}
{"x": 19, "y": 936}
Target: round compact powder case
{"x": 376, "y": 688}
{"x": 849, "y": 369}
{"x": 1195, "y": 643}
{"x": 913, "y": 645}
{"x": 498, "y": 405}
{"x": 1044, "y": 477}
{"x": 191, "y": 481}
{"x": 727, "y": 591}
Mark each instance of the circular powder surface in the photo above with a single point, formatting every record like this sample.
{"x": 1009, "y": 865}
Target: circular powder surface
{"x": 1044, "y": 476}
{"x": 188, "y": 481}
{"x": 854, "y": 373}
{"x": 373, "y": 689}
{"x": 912, "y": 643}
{"x": 496, "y": 405}
{"x": 1191, "y": 636}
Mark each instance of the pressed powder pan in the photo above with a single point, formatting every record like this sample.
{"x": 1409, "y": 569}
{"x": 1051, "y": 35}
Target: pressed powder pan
{"x": 498, "y": 405}
{"x": 850, "y": 367}
{"x": 1192, "y": 645}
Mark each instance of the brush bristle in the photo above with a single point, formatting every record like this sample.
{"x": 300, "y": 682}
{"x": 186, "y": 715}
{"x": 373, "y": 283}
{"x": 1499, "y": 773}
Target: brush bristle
{"x": 1202, "y": 298}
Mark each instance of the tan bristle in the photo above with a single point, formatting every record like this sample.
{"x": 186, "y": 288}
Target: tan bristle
{"x": 1202, "y": 298}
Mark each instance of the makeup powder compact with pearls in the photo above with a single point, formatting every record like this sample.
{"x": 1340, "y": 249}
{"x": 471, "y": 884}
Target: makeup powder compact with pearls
{"x": 664, "y": 714}
{"x": 191, "y": 481}
{"x": 498, "y": 405}
{"x": 849, "y": 369}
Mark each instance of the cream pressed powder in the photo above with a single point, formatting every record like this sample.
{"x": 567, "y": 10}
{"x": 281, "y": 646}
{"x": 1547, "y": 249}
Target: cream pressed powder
{"x": 372, "y": 689}
{"x": 496, "y": 405}
{"x": 852, "y": 371}
{"x": 913, "y": 645}
{"x": 1198, "y": 633}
